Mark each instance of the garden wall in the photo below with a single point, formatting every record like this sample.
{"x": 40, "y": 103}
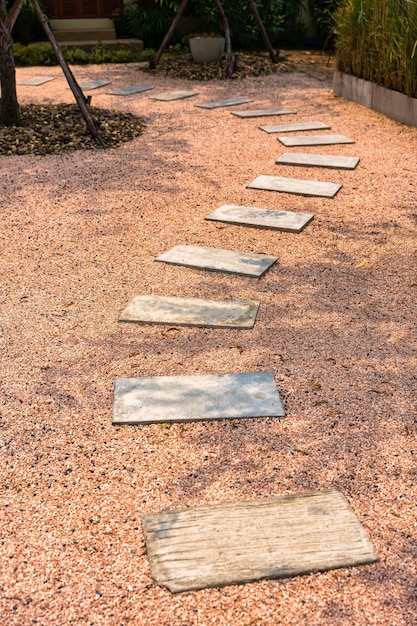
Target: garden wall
{"x": 393, "y": 104}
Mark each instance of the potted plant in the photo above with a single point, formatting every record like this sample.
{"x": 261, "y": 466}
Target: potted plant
{"x": 118, "y": 18}
{"x": 207, "y": 47}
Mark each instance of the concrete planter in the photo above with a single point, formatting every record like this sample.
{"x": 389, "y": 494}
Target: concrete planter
{"x": 207, "y": 49}
{"x": 393, "y": 104}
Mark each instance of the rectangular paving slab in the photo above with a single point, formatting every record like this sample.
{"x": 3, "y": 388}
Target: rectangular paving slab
{"x": 286, "y": 221}
{"x": 191, "y": 312}
{"x": 35, "y": 81}
{"x": 262, "y": 112}
{"x": 287, "y": 128}
{"x": 216, "y": 259}
{"x": 162, "y": 399}
{"x": 314, "y": 140}
{"x": 93, "y": 84}
{"x": 174, "y": 95}
{"x": 295, "y": 186}
{"x": 241, "y": 542}
{"x": 307, "y": 159}
{"x": 129, "y": 91}
{"x": 223, "y": 103}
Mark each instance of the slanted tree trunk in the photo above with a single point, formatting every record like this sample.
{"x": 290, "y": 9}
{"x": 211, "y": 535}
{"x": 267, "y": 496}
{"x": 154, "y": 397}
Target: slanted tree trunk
{"x": 9, "y": 106}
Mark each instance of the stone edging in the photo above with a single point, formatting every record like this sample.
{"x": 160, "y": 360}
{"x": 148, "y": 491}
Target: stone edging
{"x": 393, "y": 104}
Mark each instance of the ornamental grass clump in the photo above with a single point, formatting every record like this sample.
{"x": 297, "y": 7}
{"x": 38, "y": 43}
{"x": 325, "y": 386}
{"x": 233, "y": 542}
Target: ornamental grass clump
{"x": 377, "y": 41}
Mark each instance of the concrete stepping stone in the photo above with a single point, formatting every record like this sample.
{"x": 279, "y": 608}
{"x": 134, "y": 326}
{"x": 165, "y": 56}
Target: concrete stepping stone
{"x": 240, "y": 542}
{"x": 195, "y": 398}
{"x": 314, "y": 140}
{"x": 129, "y": 91}
{"x": 88, "y": 85}
{"x": 295, "y": 186}
{"x": 286, "y": 221}
{"x": 288, "y": 128}
{"x": 174, "y": 95}
{"x": 216, "y": 259}
{"x": 223, "y": 103}
{"x": 261, "y": 113}
{"x": 191, "y": 312}
{"x": 318, "y": 160}
{"x": 35, "y": 81}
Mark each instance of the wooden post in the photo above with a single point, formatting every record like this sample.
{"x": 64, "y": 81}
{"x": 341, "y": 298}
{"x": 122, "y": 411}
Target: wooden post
{"x": 75, "y": 88}
{"x": 264, "y": 35}
{"x": 226, "y": 28}
{"x": 154, "y": 61}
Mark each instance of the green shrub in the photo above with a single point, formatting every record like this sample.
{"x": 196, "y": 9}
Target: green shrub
{"x": 34, "y": 54}
{"x": 43, "y": 54}
{"x": 377, "y": 41}
{"x": 76, "y": 56}
{"x": 149, "y": 20}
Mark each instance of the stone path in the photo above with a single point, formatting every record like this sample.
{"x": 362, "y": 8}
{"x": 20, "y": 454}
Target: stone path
{"x": 285, "y": 221}
{"x": 295, "y": 186}
{"x": 161, "y": 399}
{"x": 174, "y": 95}
{"x": 298, "y": 126}
{"x": 191, "y": 312}
{"x": 249, "y": 113}
{"x": 216, "y": 259}
{"x": 240, "y": 542}
{"x": 233, "y": 543}
{"x": 318, "y": 160}
{"x": 129, "y": 91}
{"x": 314, "y": 140}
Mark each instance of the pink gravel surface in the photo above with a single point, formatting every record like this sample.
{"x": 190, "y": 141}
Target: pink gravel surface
{"x": 336, "y": 326}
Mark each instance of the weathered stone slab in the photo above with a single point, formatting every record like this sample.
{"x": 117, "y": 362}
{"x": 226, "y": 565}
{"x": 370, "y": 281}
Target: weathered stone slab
{"x": 262, "y": 113}
{"x": 174, "y": 95}
{"x": 216, "y": 259}
{"x": 287, "y": 128}
{"x": 129, "y": 91}
{"x": 307, "y": 159}
{"x": 314, "y": 140}
{"x": 88, "y": 85}
{"x": 295, "y": 186}
{"x": 240, "y": 542}
{"x": 195, "y": 398}
{"x": 191, "y": 312}
{"x": 223, "y": 103}
{"x": 261, "y": 218}
{"x": 35, "y": 81}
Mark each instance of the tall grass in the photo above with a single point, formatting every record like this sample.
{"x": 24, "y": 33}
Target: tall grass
{"x": 377, "y": 41}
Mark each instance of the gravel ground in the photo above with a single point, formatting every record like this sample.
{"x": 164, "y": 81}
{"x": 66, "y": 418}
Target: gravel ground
{"x": 336, "y": 326}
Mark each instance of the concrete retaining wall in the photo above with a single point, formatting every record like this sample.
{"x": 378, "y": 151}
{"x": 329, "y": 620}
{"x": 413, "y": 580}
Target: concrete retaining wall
{"x": 393, "y": 104}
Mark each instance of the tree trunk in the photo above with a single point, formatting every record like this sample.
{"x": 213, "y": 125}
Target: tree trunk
{"x": 9, "y": 106}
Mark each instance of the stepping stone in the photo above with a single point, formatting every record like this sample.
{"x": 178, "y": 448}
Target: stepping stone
{"x": 195, "y": 398}
{"x": 174, "y": 95}
{"x": 295, "y": 186}
{"x": 93, "y": 84}
{"x": 241, "y": 542}
{"x": 287, "y": 128}
{"x": 262, "y": 113}
{"x": 129, "y": 91}
{"x": 219, "y": 260}
{"x": 314, "y": 140}
{"x": 318, "y": 160}
{"x": 191, "y": 312}
{"x": 223, "y": 103}
{"x": 35, "y": 81}
{"x": 261, "y": 218}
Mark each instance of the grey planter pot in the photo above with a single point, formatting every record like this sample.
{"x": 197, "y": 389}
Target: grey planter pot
{"x": 207, "y": 49}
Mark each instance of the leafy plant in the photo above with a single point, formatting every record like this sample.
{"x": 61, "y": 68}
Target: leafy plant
{"x": 377, "y": 41}
{"x": 149, "y": 20}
